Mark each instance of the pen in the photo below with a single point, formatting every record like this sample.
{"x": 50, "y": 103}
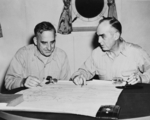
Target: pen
{"x": 82, "y": 82}
{"x": 39, "y": 85}
{"x": 119, "y": 80}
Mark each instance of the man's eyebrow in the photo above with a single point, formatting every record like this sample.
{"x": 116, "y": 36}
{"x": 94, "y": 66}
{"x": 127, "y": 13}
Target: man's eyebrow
{"x": 44, "y": 41}
{"x": 47, "y": 42}
{"x": 52, "y": 41}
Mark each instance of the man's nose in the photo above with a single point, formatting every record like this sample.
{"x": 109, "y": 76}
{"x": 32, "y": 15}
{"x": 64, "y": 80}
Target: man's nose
{"x": 48, "y": 46}
{"x": 100, "y": 40}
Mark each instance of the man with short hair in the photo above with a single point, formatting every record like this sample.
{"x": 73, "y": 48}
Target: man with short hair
{"x": 114, "y": 58}
{"x": 32, "y": 64}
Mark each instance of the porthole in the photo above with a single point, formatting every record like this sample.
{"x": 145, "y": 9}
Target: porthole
{"x": 89, "y": 10}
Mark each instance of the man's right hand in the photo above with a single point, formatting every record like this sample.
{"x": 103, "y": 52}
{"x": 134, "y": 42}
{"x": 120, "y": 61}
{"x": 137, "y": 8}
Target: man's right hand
{"x": 31, "y": 82}
{"x": 80, "y": 80}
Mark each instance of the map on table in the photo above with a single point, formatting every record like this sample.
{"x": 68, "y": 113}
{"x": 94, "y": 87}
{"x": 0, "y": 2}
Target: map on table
{"x": 65, "y": 97}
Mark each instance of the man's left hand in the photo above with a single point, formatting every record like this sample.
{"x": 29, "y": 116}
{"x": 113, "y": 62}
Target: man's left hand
{"x": 134, "y": 79}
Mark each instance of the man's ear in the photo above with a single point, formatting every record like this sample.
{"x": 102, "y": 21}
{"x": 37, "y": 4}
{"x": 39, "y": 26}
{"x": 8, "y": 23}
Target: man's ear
{"x": 35, "y": 40}
{"x": 116, "y": 35}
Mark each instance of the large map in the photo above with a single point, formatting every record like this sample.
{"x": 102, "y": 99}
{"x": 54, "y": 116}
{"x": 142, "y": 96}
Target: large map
{"x": 65, "y": 97}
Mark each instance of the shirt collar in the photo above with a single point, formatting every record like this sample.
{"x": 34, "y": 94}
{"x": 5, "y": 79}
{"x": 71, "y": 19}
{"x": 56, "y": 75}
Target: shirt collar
{"x": 121, "y": 50}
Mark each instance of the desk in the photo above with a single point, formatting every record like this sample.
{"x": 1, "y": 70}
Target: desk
{"x": 82, "y": 110}
{"x": 65, "y": 97}
{"x": 135, "y": 102}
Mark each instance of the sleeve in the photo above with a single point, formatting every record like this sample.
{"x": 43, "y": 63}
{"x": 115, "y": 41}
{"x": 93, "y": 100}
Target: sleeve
{"x": 65, "y": 71}
{"x": 88, "y": 69}
{"x": 144, "y": 66}
{"x": 14, "y": 74}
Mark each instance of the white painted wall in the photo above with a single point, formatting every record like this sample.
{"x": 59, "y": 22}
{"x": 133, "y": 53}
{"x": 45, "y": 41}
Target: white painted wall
{"x": 135, "y": 20}
{"x": 19, "y": 17}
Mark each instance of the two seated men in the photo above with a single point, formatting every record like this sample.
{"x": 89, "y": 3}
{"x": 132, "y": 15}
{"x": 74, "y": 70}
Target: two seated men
{"x": 113, "y": 59}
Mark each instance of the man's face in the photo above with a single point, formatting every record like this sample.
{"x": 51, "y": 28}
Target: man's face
{"x": 106, "y": 36}
{"x": 46, "y": 43}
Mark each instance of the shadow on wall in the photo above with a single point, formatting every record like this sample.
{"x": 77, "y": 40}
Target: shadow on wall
{"x": 30, "y": 41}
{"x": 95, "y": 43}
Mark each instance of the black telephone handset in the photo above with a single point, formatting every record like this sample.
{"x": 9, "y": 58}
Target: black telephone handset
{"x": 110, "y": 112}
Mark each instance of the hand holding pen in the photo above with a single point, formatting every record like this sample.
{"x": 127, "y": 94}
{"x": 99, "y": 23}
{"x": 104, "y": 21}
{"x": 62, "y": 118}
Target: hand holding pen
{"x": 132, "y": 77}
{"x": 31, "y": 81}
{"x": 79, "y": 80}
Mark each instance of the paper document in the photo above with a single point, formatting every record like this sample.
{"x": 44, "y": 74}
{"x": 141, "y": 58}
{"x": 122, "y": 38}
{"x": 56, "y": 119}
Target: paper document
{"x": 65, "y": 97}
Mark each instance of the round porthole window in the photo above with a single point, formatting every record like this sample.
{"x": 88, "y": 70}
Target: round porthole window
{"x": 89, "y": 10}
